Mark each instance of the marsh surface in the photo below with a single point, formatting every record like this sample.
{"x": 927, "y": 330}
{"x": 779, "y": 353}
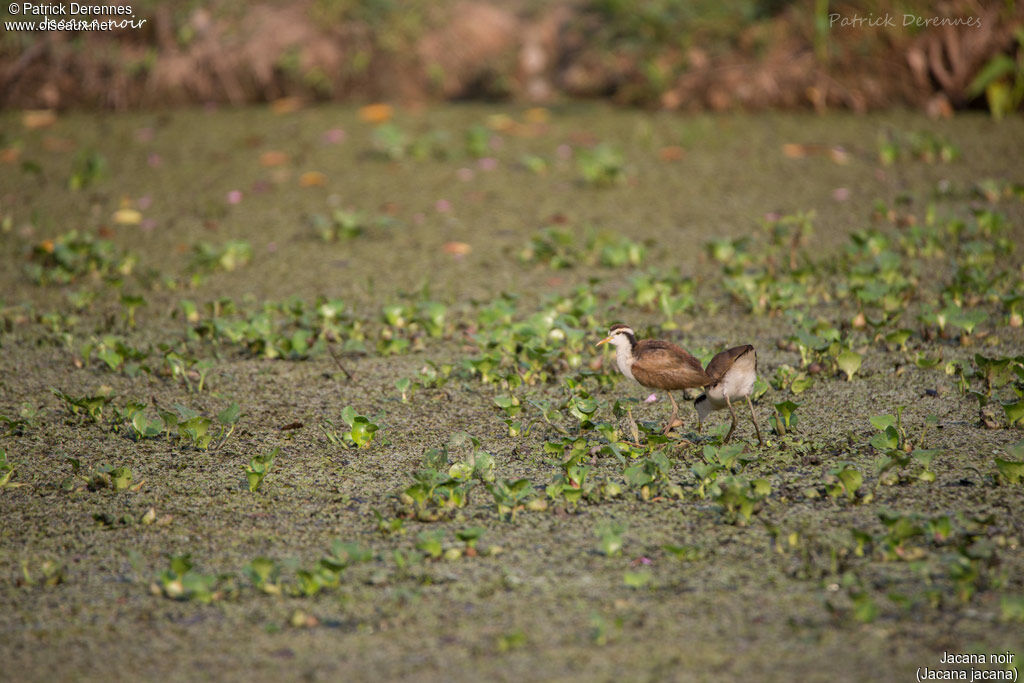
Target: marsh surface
{"x": 463, "y": 249}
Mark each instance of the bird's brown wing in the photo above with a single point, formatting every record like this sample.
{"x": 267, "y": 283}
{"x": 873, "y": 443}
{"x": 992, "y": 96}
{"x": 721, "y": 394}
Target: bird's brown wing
{"x": 663, "y": 365}
{"x": 721, "y": 363}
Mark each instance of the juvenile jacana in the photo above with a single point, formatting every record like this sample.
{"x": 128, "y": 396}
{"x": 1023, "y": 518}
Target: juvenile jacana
{"x": 656, "y": 364}
{"x": 733, "y": 373}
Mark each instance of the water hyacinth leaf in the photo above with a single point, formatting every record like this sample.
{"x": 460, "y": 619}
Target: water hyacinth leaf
{"x": 483, "y": 466}
{"x": 1014, "y": 412}
{"x": 886, "y": 440}
{"x": 881, "y": 422}
{"x": 230, "y": 415}
{"x": 257, "y": 468}
{"x": 181, "y": 564}
{"x": 196, "y": 432}
{"x": 925, "y": 456}
{"x": 785, "y": 417}
{"x": 899, "y": 337}
{"x": 851, "y": 480}
{"x": 111, "y": 357}
{"x": 1011, "y": 471}
{"x": 146, "y": 427}
{"x": 609, "y": 537}
{"x": 429, "y": 542}
{"x": 637, "y": 579}
{"x": 121, "y": 478}
{"x": 348, "y": 414}
{"x": 849, "y": 362}
{"x": 1016, "y": 450}
{"x": 461, "y": 471}
{"x": 968, "y": 320}
{"x": 363, "y": 431}
{"x": 864, "y": 608}
{"x": 404, "y": 385}
{"x": 801, "y": 384}
{"x": 470, "y": 536}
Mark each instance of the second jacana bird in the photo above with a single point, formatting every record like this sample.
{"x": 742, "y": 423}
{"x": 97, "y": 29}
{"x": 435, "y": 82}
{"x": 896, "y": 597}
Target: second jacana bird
{"x": 733, "y": 373}
{"x": 656, "y": 364}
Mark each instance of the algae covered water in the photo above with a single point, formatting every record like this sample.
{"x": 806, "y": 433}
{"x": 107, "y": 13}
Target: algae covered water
{"x": 315, "y": 393}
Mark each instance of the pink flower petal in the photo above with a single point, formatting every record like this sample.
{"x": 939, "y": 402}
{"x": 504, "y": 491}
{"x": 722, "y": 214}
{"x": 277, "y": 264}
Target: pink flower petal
{"x": 334, "y": 136}
{"x": 234, "y": 196}
{"x": 443, "y": 205}
{"x": 651, "y": 399}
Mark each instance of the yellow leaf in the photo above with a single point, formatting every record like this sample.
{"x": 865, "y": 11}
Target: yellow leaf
{"x": 127, "y": 217}
{"x": 286, "y": 105}
{"x": 39, "y": 118}
{"x": 312, "y": 179}
{"x": 537, "y": 115}
{"x": 273, "y": 158}
{"x": 376, "y": 113}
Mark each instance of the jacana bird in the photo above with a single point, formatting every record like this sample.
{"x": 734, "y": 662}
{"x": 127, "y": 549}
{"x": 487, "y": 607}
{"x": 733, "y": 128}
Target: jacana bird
{"x": 656, "y": 364}
{"x": 733, "y": 373}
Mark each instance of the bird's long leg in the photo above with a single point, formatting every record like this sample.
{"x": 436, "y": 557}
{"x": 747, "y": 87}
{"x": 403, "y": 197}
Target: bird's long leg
{"x": 675, "y": 413}
{"x": 753, "y": 418}
{"x": 733, "y": 425}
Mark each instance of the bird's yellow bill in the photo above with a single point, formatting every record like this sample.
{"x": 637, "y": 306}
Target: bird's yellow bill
{"x": 604, "y": 341}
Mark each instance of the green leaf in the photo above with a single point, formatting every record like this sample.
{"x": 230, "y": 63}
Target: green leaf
{"x": 180, "y": 564}
{"x": 849, "y": 362}
{"x": 998, "y": 67}
{"x": 864, "y": 608}
{"x": 881, "y": 422}
{"x": 637, "y": 579}
{"x": 471, "y": 535}
{"x": 1011, "y": 471}
{"x": 111, "y": 357}
{"x": 1014, "y": 412}
{"x": 801, "y": 384}
{"x": 229, "y": 415}
{"x": 761, "y": 487}
{"x": 348, "y": 414}
{"x": 121, "y": 478}
{"x": 887, "y": 440}
{"x": 925, "y": 456}
{"x": 1016, "y": 450}
{"x": 363, "y": 431}
{"x": 145, "y": 427}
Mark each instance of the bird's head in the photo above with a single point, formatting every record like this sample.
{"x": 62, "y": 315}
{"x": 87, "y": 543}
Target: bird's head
{"x": 703, "y": 406}
{"x": 620, "y": 335}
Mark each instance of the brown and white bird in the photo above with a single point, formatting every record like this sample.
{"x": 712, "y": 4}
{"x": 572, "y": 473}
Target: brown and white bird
{"x": 656, "y": 364}
{"x": 733, "y": 373}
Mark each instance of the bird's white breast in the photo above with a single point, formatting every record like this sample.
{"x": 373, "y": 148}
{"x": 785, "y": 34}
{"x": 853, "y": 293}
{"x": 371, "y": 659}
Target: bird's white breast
{"x": 737, "y": 383}
{"x": 624, "y": 359}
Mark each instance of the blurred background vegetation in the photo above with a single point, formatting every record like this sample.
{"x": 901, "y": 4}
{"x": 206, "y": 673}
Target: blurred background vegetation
{"x": 672, "y": 54}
